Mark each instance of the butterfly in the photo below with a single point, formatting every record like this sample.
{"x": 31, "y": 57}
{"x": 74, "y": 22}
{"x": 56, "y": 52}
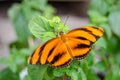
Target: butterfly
{"x": 60, "y": 51}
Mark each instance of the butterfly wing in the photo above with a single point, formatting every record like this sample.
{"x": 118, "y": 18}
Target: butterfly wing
{"x": 53, "y": 52}
{"x": 60, "y": 51}
{"x": 80, "y": 40}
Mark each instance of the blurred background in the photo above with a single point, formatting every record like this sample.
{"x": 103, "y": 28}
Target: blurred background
{"x": 76, "y": 11}
{"x": 15, "y": 37}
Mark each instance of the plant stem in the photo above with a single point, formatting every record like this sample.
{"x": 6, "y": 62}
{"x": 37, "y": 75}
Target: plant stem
{"x": 64, "y": 77}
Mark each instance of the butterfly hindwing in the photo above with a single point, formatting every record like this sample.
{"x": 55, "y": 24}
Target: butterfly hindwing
{"x": 80, "y": 40}
{"x": 79, "y": 48}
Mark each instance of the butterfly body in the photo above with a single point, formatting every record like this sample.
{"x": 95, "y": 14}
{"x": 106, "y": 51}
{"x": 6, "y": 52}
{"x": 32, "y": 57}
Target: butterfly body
{"x": 60, "y": 51}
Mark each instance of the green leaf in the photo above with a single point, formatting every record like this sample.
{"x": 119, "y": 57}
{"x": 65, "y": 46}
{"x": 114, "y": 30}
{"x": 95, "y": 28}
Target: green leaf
{"x": 38, "y": 4}
{"x": 12, "y": 66}
{"x": 117, "y": 58}
{"x": 58, "y": 72}
{"x": 56, "y": 19}
{"x": 110, "y": 2}
{"x": 100, "y": 66}
{"x": 83, "y": 75}
{"x": 16, "y": 7}
{"x": 114, "y": 20}
{"x": 19, "y": 23}
{"x": 17, "y": 57}
{"x": 48, "y": 36}
{"x": 107, "y": 30}
{"x": 29, "y": 12}
{"x": 101, "y": 43}
{"x": 20, "y": 14}
{"x": 49, "y": 74}
{"x": 26, "y": 51}
{"x": 114, "y": 42}
{"x": 91, "y": 75}
{"x": 73, "y": 74}
{"x": 96, "y": 5}
{"x": 89, "y": 60}
{"x": 37, "y": 72}
{"x": 49, "y": 11}
{"x": 27, "y": 77}
{"x": 39, "y": 26}
{"x": 4, "y": 60}
{"x": 96, "y": 17}
{"x": 113, "y": 73}
{"x": 7, "y": 74}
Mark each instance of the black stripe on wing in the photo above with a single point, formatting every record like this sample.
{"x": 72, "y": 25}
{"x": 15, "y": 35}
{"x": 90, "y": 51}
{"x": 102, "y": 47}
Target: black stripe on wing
{"x": 67, "y": 63}
{"x": 90, "y": 32}
{"x": 57, "y": 57}
{"x": 82, "y": 56}
{"x": 98, "y": 29}
{"x": 30, "y": 60}
{"x": 80, "y": 46}
{"x": 41, "y": 50}
{"x": 83, "y": 38}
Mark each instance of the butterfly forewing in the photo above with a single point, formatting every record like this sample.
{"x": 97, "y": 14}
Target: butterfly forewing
{"x": 33, "y": 59}
{"x": 53, "y": 52}
{"x": 40, "y": 55}
{"x": 86, "y": 33}
{"x": 81, "y": 39}
{"x": 60, "y": 56}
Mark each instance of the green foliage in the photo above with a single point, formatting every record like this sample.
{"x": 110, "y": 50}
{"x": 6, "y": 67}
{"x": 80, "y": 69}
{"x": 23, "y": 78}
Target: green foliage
{"x": 7, "y": 74}
{"x": 17, "y": 59}
{"x": 36, "y": 72}
{"x": 108, "y": 13}
{"x": 114, "y": 21}
{"x": 40, "y": 27}
{"x": 21, "y": 13}
{"x": 96, "y": 17}
{"x": 46, "y": 29}
{"x": 19, "y": 22}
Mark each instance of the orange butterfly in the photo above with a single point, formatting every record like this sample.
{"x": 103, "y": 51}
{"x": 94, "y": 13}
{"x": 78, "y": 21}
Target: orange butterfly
{"x": 60, "y": 51}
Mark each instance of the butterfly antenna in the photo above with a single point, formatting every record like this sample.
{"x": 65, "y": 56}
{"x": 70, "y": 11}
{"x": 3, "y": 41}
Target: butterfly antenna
{"x": 66, "y": 19}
